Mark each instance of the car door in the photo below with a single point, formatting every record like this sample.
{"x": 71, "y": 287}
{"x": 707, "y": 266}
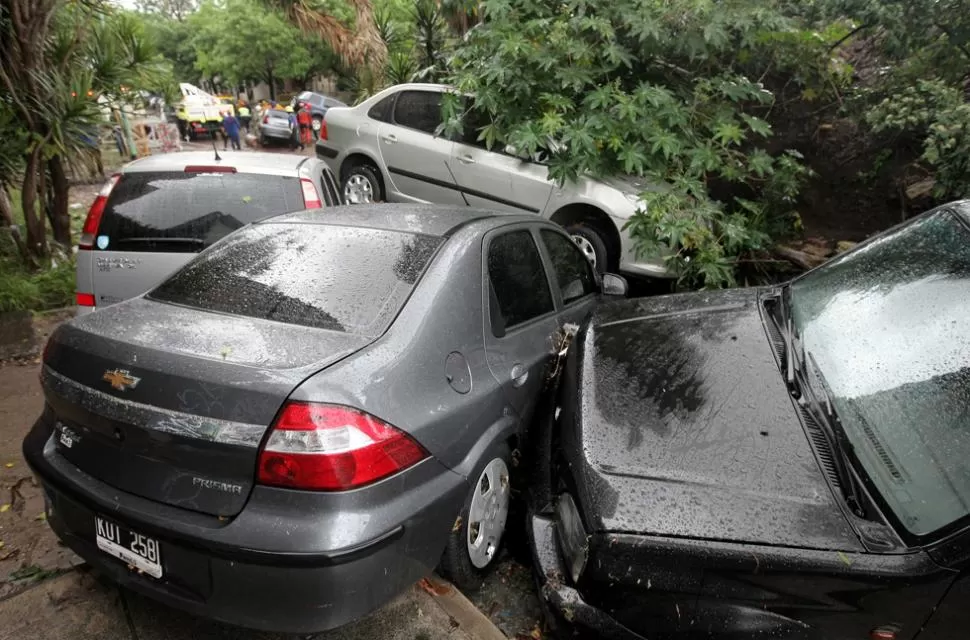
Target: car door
{"x": 575, "y": 284}
{"x": 417, "y": 160}
{"x": 520, "y": 315}
{"x": 497, "y": 180}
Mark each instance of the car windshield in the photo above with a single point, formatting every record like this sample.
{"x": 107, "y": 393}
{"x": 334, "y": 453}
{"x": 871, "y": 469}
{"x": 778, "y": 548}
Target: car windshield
{"x": 889, "y": 328}
{"x": 347, "y": 279}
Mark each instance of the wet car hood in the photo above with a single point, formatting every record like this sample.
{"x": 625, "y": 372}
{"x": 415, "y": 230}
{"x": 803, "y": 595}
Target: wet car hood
{"x": 687, "y": 428}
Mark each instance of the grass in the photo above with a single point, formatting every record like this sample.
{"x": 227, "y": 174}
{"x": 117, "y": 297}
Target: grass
{"x": 25, "y": 290}
{"x": 22, "y": 290}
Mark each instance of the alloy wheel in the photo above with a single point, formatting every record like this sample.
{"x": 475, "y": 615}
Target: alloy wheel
{"x": 488, "y": 513}
{"x": 358, "y": 190}
{"x": 586, "y": 247}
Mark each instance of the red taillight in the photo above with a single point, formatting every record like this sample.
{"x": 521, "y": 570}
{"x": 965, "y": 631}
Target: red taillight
{"x": 93, "y": 221}
{"x": 311, "y": 199}
{"x": 887, "y": 632}
{"x": 266, "y": 119}
{"x": 84, "y": 299}
{"x": 322, "y": 447}
{"x": 204, "y": 168}
{"x": 323, "y": 129}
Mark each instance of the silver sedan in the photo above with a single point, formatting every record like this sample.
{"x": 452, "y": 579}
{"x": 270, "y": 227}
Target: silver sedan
{"x": 385, "y": 149}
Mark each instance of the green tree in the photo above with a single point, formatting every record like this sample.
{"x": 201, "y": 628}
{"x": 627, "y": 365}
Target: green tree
{"x": 242, "y": 40}
{"x": 666, "y": 89}
{"x": 173, "y": 40}
{"x": 62, "y": 63}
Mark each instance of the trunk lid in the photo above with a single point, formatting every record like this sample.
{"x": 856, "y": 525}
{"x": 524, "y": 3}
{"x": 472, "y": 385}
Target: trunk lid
{"x": 172, "y": 403}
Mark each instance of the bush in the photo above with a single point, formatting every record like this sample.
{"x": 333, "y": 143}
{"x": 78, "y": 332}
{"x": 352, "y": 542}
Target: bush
{"x": 50, "y": 288}
{"x": 676, "y": 91}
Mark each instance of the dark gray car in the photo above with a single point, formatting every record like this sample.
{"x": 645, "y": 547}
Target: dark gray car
{"x": 312, "y": 414}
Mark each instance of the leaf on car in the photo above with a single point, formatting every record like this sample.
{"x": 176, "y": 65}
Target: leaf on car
{"x": 846, "y": 559}
{"x": 9, "y": 465}
{"x": 247, "y": 199}
{"x": 4, "y": 508}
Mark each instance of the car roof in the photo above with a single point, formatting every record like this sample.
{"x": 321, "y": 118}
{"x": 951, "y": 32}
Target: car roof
{"x": 243, "y": 161}
{"x": 428, "y": 219}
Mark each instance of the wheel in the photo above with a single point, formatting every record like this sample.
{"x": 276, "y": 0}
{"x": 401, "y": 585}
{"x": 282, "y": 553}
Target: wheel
{"x": 476, "y": 534}
{"x": 361, "y": 185}
{"x": 317, "y": 123}
{"x": 263, "y": 140}
{"x": 592, "y": 244}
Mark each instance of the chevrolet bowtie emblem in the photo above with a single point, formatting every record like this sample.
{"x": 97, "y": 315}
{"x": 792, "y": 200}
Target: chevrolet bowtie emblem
{"x": 120, "y": 379}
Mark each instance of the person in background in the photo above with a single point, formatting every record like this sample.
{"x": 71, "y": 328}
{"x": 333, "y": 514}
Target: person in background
{"x": 231, "y": 128}
{"x": 305, "y": 120}
{"x": 294, "y": 130}
{"x": 245, "y": 117}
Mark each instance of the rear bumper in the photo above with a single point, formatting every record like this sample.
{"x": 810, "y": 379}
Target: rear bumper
{"x": 563, "y": 604}
{"x": 263, "y": 583}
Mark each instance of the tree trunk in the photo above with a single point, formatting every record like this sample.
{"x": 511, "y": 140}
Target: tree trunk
{"x": 6, "y": 219}
{"x": 36, "y": 231}
{"x": 61, "y": 217}
{"x": 271, "y": 81}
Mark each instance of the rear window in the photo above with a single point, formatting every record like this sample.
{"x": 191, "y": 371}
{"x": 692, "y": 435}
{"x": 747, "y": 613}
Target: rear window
{"x": 279, "y": 113}
{"x": 186, "y": 212}
{"x": 347, "y": 279}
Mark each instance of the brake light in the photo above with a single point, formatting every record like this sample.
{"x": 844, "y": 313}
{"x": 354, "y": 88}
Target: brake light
{"x": 93, "y": 221}
{"x": 84, "y": 299}
{"x": 323, "y": 128}
{"x": 322, "y": 447}
{"x": 266, "y": 119}
{"x": 311, "y": 199}
{"x": 204, "y": 168}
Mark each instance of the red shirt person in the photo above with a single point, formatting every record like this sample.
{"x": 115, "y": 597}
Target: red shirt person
{"x": 305, "y": 120}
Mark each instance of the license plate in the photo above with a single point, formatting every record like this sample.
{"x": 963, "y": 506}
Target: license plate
{"x": 140, "y": 552}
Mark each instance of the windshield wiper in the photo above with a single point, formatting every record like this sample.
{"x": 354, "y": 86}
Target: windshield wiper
{"x": 817, "y": 398}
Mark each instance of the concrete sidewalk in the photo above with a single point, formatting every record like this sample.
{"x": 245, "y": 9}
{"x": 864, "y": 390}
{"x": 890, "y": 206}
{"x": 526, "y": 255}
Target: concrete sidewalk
{"x": 76, "y": 606}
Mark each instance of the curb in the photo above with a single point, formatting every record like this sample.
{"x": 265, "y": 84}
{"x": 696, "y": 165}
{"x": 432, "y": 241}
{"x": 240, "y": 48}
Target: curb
{"x": 469, "y": 617}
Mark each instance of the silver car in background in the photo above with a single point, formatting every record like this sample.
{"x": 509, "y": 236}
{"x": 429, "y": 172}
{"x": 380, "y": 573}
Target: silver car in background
{"x": 385, "y": 149}
{"x": 159, "y": 212}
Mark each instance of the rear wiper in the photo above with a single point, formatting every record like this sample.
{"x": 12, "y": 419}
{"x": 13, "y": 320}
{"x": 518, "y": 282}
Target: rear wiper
{"x": 195, "y": 241}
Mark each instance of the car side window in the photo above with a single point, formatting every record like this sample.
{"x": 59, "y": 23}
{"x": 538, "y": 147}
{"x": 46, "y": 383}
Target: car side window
{"x": 316, "y": 100}
{"x": 574, "y": 273}
{"x": 382, "y": 110}
{"x": 419, "y": 110}
{"x": 518, "y": 285}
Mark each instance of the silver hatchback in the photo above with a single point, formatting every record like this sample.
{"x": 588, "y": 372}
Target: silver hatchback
{"x": 159, "y": 212}
{"x": 385, "y": 149}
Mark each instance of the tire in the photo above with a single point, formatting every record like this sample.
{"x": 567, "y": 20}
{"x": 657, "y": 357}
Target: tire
{"x": 317, "y": 124}
{"x": 263, "y": 140}
{"x": 361, "y": 185}
{"x": 592, "y": 244}
{"x": 464, "y": 563}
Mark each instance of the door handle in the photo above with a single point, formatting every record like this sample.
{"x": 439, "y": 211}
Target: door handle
{"x": 519, "y": 375}
{"x": 389, "y": 139}
{"x": 466, "y": 159}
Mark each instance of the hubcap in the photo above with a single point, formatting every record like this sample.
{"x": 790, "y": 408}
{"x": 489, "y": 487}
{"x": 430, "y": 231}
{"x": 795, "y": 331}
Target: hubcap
{"x": 586, "y": 247}
{"x": 358, "y": 190}
{"x": 488, "y": 512}
{"x": 316, "y": 124}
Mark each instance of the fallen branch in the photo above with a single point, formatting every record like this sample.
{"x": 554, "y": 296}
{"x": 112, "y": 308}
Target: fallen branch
{"x": 799, "y": 258}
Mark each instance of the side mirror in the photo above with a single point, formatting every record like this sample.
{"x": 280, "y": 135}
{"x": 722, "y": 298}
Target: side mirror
{"x": 614, "y": 285}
